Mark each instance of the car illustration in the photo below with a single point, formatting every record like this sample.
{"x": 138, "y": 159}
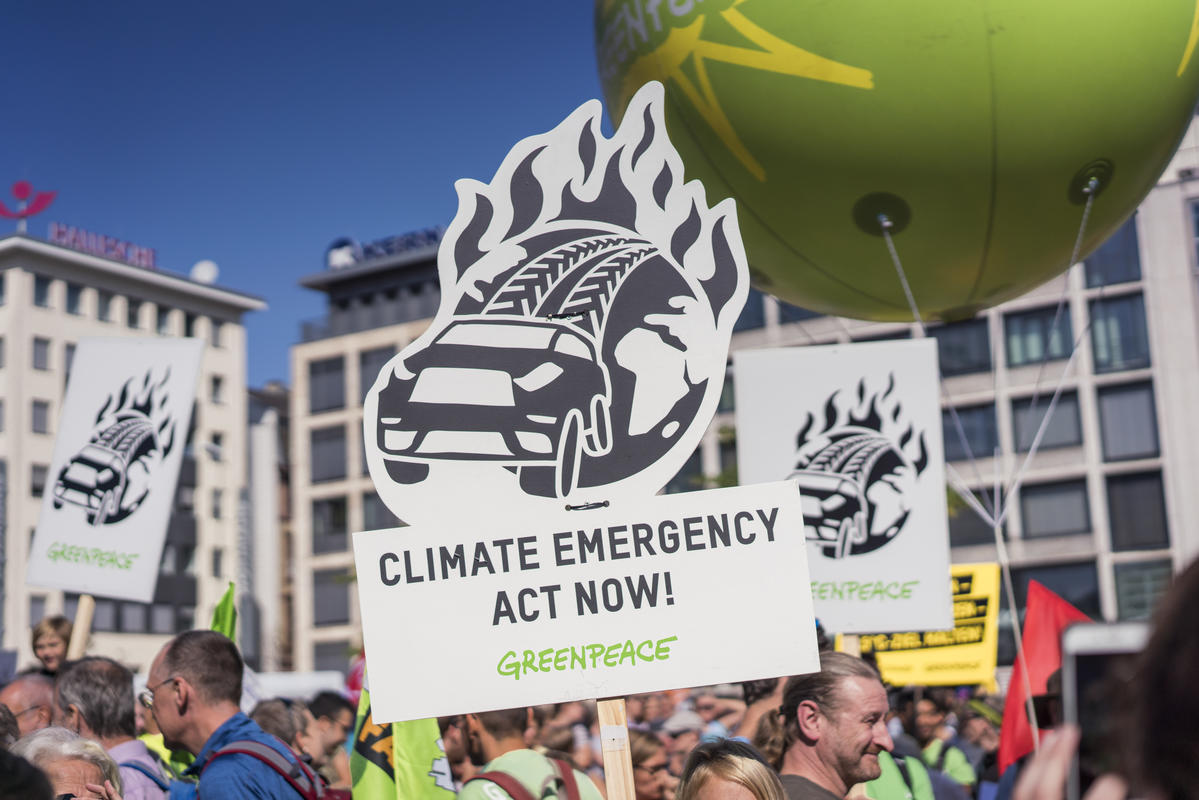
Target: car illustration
{"x": 529, "y": 394}
{"x": 98, "y": 476}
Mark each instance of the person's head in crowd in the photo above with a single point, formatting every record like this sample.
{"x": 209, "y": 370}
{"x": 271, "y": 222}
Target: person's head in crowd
{"x": 94, "y": 698}
{"x": 293, "y": 723}
{"x": 831, "y": 725}
{"x": 728, "y": 770}
{"x": 978, "y": 729}
{"x": 1048, "y": 706}
{"x": 1164, "y": 736}
{"x": 9, "y": 731}
{"x": 49, "y": 639}
{"x": 30, "y": 697}
{"x": 658, "y": 708}
{"x": 74, "y": 765}
{"x": 490, "y": 734}
{"x": 334, "y": 717}
{"x": 193, "y": 687}
{"x": 634, "y": 710}
{"x": 706, "y": 704}
{"x": 20, "y": 780}
{"x": 453, "y": 737}
{"x": 682, "y": 732}
{"x": 930, "y": 713}
{"x": 648, "y": 755}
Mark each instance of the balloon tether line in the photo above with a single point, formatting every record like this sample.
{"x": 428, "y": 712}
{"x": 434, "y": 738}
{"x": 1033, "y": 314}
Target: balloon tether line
{"x": 999, "y": 509}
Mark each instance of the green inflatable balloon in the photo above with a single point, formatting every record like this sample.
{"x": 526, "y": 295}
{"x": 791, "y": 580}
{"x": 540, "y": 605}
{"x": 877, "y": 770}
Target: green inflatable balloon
{"x": 974, "y": 126}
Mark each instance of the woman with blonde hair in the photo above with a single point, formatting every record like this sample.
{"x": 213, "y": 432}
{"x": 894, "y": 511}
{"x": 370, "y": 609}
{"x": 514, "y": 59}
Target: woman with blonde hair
{"x": 728, "y": 770}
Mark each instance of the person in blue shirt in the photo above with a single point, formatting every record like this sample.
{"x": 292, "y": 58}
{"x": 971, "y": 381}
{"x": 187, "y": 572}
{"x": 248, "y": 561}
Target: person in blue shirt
{"x": 193, "y": 690}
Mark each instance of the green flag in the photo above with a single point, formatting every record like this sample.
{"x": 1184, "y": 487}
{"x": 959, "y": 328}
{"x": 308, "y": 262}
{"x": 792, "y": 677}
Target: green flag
{"x": 224, "y": 616}
{"x": 403, "y": 760}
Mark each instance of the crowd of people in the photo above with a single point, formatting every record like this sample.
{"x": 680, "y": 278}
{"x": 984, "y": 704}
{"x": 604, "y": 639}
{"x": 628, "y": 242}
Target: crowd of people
{"x": 73, "y": 729}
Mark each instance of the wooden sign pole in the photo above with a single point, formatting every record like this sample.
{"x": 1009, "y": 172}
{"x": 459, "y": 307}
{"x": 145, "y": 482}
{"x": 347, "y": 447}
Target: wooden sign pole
{"x": 81, "y": 628}
{"x": 614, "y": 739}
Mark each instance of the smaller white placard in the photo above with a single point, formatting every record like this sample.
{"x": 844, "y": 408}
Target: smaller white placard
{"x": 111, "y": 483}
{"x": 672, "y": 591}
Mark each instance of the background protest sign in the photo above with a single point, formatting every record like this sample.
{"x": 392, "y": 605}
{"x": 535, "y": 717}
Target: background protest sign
{"x": 961, "y": 656}
{"x": 116, "y": 462}
{"x": 859, "y": 427}
{"x": 569, "y": 605}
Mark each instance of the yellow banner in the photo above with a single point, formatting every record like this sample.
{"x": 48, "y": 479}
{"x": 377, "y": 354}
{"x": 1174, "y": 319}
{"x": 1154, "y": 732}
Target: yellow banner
{"x": 960, "y": 656}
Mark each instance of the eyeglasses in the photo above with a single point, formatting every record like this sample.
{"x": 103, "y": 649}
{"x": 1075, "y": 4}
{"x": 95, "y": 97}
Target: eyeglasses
{"x": 146, "y": 696}
{"x": 26, "y": 711}
{"x": 653, "y": 770}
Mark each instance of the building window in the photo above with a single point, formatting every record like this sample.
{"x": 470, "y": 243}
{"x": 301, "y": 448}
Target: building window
{"x": 1, "y": 352}
{"x": 218, "y": 562}
{"x": 375, "y": 514}
{"x": 134, "y": 617}
{"x": 1119, "y": 337}
{"x": 1139, "y": 586}
{"x": 41, "y": 291}
{"x": 189, "y": 325}
{"x": 162, "y": 618}
{"x": 753, "y": 315}
{"x": 40, "y": 417}
{"x": 217, "y": 389}
{"x": 370, "y": 363}
{"x": 790, "y": 313}
{"x": 41, "y": 353}
{"x": 104, "y": 305}
{"x": 1, "y": 414}
{"x": 1077, "y": 584}
{"x": 1136, "y": 510}
{"x": 37, "y": 479}
{"x": 1055, "y": 509}
{"x": 326, "y": 384}
{"x": 216, "y": 445}
{"x": 966, "y": 527}
{"x": 3, "y": 285}
{"x": 218, "y": 332}
{"x": 218, "y": 499}
{"x": 1063, "y": 430}
{"x": 68, "y": 360}
{"x": 37, "y": 608}
{"x": 1118, "y": 260}
{"x": 1128, "y": 421}
{"x": 1032, "y": 336}
{"x": 330, "y": 597}
{"x": 978, "y": 425}
{"x": 104, "y": 618}
{"x": 169, "y": 563}
{"x": 329, "y": 527}
{"x": 74, "y": 299}
{"x": 690, "y": 477}
{"x": 162, "y": 320}
{"x": 963, "y": 347}
{"x": 133, "y": 313}
{"x": 328, "y": 454}
{"x": 331, "y": 656}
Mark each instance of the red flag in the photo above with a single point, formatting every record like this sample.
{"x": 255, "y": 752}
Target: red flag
{"x": 1046, "y": 616}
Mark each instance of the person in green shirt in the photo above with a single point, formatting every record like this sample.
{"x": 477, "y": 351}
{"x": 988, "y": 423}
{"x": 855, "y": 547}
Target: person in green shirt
{"x": 931, "y": 711}
{"x": 497, "y": 738}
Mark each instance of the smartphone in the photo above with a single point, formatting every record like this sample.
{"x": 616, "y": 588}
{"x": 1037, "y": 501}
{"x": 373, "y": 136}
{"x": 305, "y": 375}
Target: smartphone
{"x": 1098, "y": 660}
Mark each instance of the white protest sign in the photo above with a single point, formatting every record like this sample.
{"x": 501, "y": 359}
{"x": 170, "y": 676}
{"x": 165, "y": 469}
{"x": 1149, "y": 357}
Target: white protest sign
{"x": 859, "y": 427}
{"x": 671, "y": 591}
{"x": 111, "y": 483}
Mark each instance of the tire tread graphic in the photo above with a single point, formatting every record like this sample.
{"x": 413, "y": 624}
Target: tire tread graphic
{"x": 592, "y": 296}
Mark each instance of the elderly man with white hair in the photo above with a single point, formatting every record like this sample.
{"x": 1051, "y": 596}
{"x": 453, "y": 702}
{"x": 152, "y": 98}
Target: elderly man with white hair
{"x": 76, "y": 767}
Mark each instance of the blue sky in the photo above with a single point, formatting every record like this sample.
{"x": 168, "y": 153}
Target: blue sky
{"x": 253, "y": 134}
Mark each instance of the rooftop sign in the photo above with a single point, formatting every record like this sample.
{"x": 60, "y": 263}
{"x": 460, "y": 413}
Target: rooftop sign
{"x": 104, "y": 246}
{"x": 346, "y": 251}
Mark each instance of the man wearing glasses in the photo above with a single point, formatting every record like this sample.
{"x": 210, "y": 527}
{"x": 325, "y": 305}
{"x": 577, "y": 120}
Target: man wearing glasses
{"x": 193, "y": 691}
{"x": 31, "y": 699}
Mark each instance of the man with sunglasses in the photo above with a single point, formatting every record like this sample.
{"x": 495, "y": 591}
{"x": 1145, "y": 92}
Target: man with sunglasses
{"x": 30, "y": 698}
{"x": 193, "y": 691}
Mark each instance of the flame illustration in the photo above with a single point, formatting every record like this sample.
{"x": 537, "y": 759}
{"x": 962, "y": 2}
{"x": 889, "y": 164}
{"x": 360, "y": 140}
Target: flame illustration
{"x": 149, "y": 400}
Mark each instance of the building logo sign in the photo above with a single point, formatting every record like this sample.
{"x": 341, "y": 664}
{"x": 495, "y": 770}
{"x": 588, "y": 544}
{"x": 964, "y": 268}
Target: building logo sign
{"x": 104, "y": 246}
{"x": 588, "y": 296}
{"x": 28, "y": 203}
{"x": 346, "y": 252}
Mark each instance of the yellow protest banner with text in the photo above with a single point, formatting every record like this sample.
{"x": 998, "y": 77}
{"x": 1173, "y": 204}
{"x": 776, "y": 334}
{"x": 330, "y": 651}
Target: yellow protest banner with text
{"x": 963, "y": 655}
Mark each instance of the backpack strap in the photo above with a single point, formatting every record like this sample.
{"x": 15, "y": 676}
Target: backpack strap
{"x": 149, "y": 773}
{"x": 566, "y": 774}
{"x": 939, "y": 763}
{"x": 901, "y": 763}
{"x": 511, "y": 785}
{"x": 294, "y": 771}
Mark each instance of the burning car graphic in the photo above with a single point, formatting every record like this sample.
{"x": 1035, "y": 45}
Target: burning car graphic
{"x": 529, "y": 394}
{"x": 98, "y": 477}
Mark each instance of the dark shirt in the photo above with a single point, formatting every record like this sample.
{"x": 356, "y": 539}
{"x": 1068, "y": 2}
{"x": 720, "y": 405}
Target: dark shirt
{"x": 798, "y": 787}
{"x": 237, "y": 775}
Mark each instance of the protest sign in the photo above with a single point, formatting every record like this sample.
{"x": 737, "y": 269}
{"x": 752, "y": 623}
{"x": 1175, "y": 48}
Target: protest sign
{"x": 566, "y": 605}
{"x": 964, "y": 655}
{"x": 116, "y": 461}
{"x": 859, "y": 428}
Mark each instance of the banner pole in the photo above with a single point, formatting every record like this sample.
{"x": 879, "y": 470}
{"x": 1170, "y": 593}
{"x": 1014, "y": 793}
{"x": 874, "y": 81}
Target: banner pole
{"x": 81, "y": 628}
{"x": 614, "y": 738}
